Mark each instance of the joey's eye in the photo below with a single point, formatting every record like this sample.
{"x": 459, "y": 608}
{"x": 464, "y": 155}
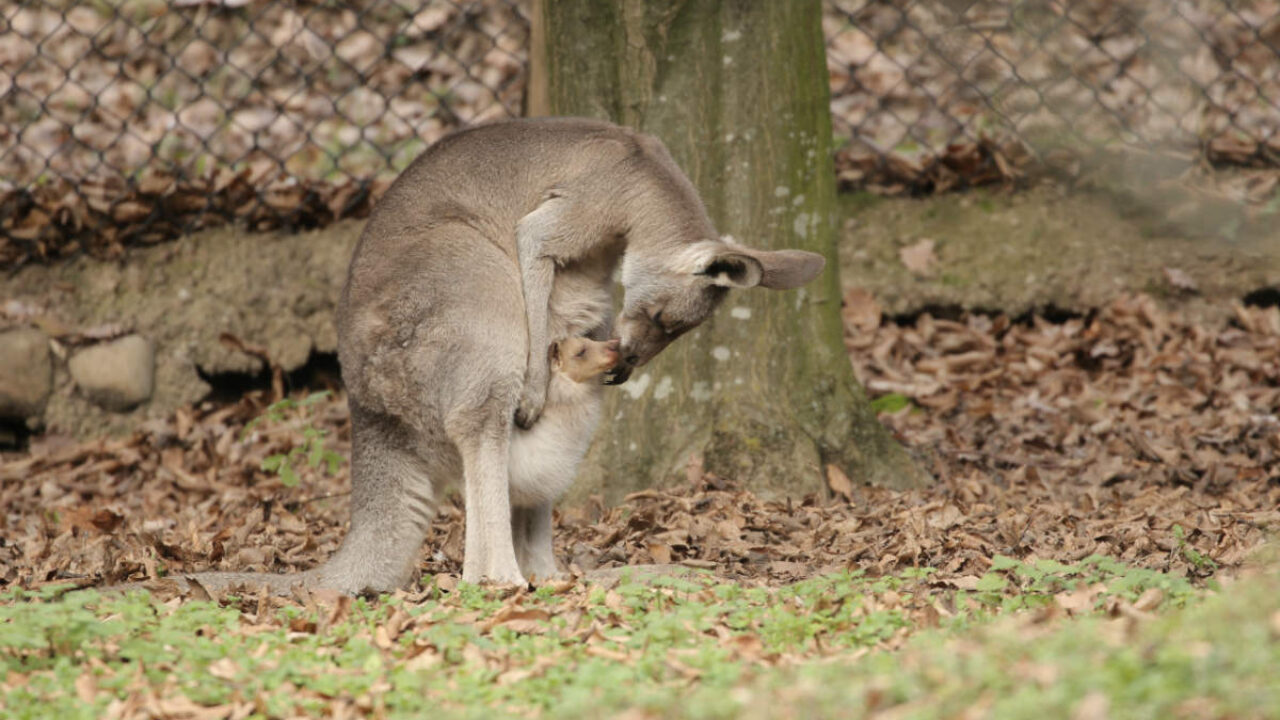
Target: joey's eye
{"x": 581, "y": 353}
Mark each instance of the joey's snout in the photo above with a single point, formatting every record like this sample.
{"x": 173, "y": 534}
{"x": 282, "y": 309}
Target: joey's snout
{"x": 624, "y": 362}
{"x": 609, "y": 354}
{"x": 613, "y": 350}
{"x": 581, "y": 359}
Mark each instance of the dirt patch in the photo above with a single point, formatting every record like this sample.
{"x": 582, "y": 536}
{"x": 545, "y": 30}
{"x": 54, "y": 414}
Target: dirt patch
{"x": 275, "y": 291}
{"x": 1051, "y": 248}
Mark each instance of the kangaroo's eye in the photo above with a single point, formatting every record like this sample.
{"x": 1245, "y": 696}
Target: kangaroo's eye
{"x": 657, "y": 321}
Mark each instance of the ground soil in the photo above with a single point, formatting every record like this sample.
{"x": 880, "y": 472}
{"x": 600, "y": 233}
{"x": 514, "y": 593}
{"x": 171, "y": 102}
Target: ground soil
{"x": 1049, "y": 247}
{"x": 271, "y": 291}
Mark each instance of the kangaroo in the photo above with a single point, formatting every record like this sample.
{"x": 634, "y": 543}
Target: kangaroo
{"x": 496, "y": 239}
{"x": 545, "y": 457}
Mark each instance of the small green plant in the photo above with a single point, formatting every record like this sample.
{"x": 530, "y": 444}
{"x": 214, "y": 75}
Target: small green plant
{"x": 311, "y": 451}
{"x": 891, "y": 403}
{"x": 1197, "y": 559}
{"x": 1015, "y": 585}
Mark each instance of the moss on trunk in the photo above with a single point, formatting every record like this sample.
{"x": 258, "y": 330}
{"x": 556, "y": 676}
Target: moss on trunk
{"x": 738, "y": 92}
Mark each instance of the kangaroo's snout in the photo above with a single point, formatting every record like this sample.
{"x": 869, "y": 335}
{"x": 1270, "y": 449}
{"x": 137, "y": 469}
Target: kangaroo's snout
{"x": 619, "y": 374}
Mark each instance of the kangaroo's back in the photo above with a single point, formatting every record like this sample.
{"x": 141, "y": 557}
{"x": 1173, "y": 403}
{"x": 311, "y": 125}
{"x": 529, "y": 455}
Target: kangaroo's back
{"x": 493, "y": 174}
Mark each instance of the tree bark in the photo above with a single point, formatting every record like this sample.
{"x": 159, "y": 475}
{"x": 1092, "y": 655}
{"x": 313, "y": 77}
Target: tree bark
{"x": 737, "y": 90}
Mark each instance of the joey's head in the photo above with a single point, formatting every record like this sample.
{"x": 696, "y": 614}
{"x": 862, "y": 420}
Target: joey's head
{"x": 669, "y": 293}
{"x": 581, "y": 359}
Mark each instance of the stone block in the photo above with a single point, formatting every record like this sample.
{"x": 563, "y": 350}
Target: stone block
{"x": 26, "y": 373}
{"x": 118, "y": 375}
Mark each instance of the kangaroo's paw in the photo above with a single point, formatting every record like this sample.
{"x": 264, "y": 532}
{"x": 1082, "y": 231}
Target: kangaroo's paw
{"x": 532, "y": 401}
{"x": 496, "y": 574}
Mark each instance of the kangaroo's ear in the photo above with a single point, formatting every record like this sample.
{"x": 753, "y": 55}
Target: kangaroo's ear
{"x": 738, "y": 266}
{"x": 733, "y": 269}
{"x": 787, "y": 269}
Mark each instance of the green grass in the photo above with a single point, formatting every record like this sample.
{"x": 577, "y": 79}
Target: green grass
{"x": 1216, "y": 659}
{"x": 890, "y": 403}
{"x": 695, "y": 647}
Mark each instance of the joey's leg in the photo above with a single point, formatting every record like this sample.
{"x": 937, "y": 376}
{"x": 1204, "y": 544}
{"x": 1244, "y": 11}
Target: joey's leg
{"x": 519, "y": 528}
{"x": 537, "y": 273}
{"x": 489, "y": 548}
{"x": 392, "y": 505}
{"x": 531, "y": 528}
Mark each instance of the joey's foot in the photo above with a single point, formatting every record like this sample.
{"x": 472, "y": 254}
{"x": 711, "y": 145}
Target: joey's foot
{"x": 540, "y": 571}
{"x": 553, "y": 577}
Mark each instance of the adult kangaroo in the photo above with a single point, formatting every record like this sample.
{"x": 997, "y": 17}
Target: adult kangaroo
{"x": 497, "y": 241}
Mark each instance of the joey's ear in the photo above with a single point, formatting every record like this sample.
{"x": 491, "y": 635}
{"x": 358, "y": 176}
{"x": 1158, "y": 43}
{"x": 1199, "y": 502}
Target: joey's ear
{"x": 553, "y": 356}
{"x": 733, "y": 270}
{"x": 787, "y": 269}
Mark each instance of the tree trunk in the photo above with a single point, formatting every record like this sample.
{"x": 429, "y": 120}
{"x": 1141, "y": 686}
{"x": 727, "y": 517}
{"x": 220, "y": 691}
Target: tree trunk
{"x": 737, "y": 90}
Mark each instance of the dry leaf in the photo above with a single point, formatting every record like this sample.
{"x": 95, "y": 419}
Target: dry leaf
{"x": 861, "y": 311}
{"x": 839, "y": 482}
{"x": 660, "y": 553}
{"x": 919, "y": 258}
{"x": 1080, "y": 601}
{"x": 224, "y": 668}
{"x": 1149, "y": 600}
{"x": 1180, "y": 280}
{"x": 1094, "y": 706}
{"x": 86, "y": 687}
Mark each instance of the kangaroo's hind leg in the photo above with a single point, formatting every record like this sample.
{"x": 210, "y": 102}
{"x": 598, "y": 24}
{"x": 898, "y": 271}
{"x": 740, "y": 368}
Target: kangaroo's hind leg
{"x": 392, "y": 504}
{"x": 479, "y": 426}
{"x": 489, "y": 548}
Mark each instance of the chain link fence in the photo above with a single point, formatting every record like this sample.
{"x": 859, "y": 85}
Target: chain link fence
{"x": 132, "y": 121}
{"x": 928, "y": 96}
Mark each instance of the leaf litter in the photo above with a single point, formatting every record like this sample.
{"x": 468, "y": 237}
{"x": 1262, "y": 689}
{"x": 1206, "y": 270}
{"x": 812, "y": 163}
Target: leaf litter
{"x": 1109, "y": 462}
{"x": 1133, "y": 433}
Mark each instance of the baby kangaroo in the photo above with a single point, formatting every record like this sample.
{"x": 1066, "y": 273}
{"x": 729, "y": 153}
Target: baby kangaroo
{"x": 544, "y": 458}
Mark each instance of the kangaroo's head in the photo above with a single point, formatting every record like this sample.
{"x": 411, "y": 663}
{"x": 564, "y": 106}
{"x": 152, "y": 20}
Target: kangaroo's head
{"x": 669, "y": 293}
